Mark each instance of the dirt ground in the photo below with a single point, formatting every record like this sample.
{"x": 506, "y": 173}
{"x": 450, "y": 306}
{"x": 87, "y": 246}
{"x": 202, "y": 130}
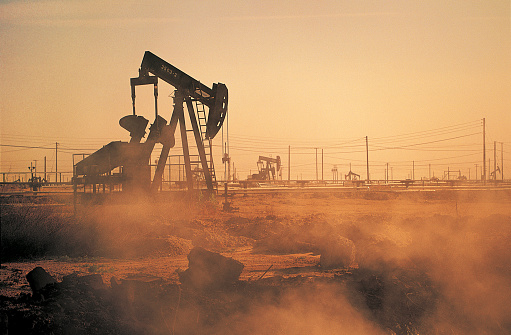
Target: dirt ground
{"x": 408, "y": 263}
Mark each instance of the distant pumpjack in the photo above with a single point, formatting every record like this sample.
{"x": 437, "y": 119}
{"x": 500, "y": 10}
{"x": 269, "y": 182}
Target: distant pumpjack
{"x": 268, "y": 168}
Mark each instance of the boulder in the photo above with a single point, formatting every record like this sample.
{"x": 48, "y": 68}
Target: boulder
{"x": 81, "y": 283}
{"x": 38, "y": 278}
{"x": 210, "y": 270}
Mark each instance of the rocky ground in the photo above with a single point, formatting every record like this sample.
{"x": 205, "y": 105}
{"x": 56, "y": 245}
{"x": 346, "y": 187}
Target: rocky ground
{"x": 312, "y": 263}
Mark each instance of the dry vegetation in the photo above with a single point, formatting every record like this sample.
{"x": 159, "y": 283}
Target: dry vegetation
{"x": 400, "y": 263}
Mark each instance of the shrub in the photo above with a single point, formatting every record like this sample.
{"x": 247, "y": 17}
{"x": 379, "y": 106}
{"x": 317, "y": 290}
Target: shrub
{"x": 30, "y": 231}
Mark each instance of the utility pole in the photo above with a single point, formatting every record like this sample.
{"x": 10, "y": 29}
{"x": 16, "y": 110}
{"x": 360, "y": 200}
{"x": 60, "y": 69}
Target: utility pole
{"x": 502, "y": 160}
{"x": 45, "y": 168}
{"x": 56, "y": 162}
{"x": 229, "y": 169}
{"x": 322, "y": 168}
{"x": 31, "y": 168}
{"x": 484, "y": 149}
{"x": 413, "y": 170}
{"x": 367, "y": 158}
{"x": 477, "y": 178}
{"x": 226, "y": 160}
{"x": 223, "y": 148}
{"x": 495, "y": 160}
{"x": 387, "y": 176}
{"x": 289, "y": 163}
{"x": 316, "y": 164}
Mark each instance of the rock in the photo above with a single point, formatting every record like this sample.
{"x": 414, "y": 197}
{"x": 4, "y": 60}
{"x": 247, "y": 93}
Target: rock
{"x": 75, "y": 282}
{"x": 337, "y": 252}
{"x": 70, "y": 278}
{"x": 209, "y": 270}
{"x": 373, "y": 288}
{"x": 114, "y": 282}
{"x": 38, "y": 278}
{"x": 93, "y": 281}
{"x": 139, "y": 289}
{"x": 4, "y": 324}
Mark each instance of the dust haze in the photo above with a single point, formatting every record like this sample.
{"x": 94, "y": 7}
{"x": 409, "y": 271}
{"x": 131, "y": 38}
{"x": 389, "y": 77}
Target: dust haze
{"x": 404, "y": 263}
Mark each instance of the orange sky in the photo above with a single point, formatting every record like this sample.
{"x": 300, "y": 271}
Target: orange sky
{"x": 310, "y": 74}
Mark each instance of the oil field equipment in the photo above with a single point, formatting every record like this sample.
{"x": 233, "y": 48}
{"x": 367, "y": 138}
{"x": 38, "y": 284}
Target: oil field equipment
{"x": 133, "y": 157}
{"x": 268, "y": 168}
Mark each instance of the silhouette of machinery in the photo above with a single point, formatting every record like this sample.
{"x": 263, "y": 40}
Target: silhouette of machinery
{"x": 268, "y": 168}
{"x": 134, "y": 157}
{"x": 493, "y": 174}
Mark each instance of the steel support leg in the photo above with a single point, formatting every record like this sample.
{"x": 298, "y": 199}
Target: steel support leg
{"x": 200, "y": 145}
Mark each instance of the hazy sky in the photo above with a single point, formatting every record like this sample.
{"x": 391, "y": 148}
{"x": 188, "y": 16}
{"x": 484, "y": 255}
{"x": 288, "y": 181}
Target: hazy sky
{"x": 311, "y": 74}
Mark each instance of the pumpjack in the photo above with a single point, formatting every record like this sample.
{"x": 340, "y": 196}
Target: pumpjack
{"x": 133, "y": 157}
{"x": 268, "y": 168}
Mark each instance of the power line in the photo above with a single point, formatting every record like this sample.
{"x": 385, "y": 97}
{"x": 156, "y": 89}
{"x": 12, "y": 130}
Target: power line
{"x": 25, "y": 146}
{"x": 432, "y": 132}
{"x": 416, "y": 144}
